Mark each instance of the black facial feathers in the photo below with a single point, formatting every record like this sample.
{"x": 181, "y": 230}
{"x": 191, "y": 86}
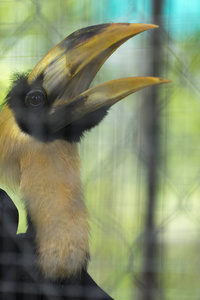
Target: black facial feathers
{"x": 31, "y": 120}
{"x": 31, "y": 107}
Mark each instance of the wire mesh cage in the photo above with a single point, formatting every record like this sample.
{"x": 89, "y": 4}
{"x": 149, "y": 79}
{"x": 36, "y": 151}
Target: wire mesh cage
{"x": 140, "y": 166}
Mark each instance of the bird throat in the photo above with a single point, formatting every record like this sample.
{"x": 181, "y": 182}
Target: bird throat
{"x": 52, "y": 189}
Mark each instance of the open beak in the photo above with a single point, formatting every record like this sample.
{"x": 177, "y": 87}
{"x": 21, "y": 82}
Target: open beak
{"x": 69, "y": 68}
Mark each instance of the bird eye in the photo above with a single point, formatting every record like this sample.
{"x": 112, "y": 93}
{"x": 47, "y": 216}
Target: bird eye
{"x": 36, "y": 99}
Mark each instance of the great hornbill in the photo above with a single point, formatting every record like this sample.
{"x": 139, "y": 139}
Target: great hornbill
{"x": 44, "y": 116}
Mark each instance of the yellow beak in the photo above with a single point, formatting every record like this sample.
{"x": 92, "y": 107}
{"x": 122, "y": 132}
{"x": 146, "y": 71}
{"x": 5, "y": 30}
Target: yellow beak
{"x": 69, "y": 68}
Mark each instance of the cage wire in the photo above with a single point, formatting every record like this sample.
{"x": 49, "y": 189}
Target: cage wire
{"x": 141, "y": 165}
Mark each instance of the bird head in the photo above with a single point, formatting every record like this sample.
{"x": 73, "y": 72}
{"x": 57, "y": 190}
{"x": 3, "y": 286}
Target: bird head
{"x": 46, "y": 113}
{"x": 54, "y": 101}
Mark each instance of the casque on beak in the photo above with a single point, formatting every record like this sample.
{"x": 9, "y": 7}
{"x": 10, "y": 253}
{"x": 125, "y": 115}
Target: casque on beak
{"x": 69, "y": 68}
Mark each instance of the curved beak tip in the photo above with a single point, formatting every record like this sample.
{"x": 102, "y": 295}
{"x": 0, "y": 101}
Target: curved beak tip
{"x": 164, "y": 80}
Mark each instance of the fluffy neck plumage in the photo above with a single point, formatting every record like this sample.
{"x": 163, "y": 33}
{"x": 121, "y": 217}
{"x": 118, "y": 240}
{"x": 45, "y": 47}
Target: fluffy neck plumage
{"x": 52, "y": 189}
{"x": 48, "y": 177}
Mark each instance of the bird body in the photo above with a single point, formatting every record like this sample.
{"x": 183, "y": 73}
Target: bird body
{"x": 45, "y": 115}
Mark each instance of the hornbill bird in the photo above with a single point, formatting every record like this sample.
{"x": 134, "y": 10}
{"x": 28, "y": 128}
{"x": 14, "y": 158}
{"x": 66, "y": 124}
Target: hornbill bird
{"x": 45, "y": 114}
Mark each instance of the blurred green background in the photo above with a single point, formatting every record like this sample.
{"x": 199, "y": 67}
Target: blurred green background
{"x": 114, "y": 168}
